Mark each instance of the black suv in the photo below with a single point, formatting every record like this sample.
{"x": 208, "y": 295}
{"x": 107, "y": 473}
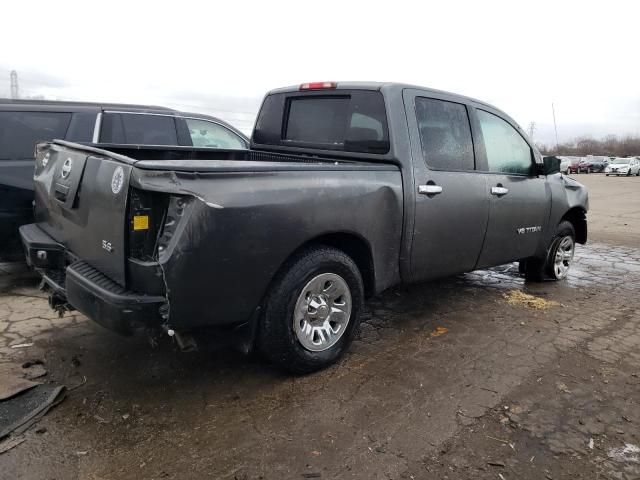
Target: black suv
{"x": 23, "y": 123}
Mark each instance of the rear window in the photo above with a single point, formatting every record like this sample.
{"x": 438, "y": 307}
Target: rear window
{"x": 138, "y": 129}
{"x": 20, "y": 131}
{"x": 346, "y": 120}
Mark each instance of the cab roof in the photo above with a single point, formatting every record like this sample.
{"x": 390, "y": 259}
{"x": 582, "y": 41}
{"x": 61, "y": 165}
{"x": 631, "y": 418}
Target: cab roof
{"x": 385, "y": 87}
{"x": 396, "y": 88}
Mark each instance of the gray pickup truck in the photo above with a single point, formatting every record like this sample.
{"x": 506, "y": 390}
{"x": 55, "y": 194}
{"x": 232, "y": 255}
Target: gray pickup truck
{"x": 347, "y": 189}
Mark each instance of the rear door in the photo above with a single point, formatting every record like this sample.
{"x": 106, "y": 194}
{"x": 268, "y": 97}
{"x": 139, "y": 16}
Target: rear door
{"x": 451, "y": 206}
{"x": 519, "y": 198}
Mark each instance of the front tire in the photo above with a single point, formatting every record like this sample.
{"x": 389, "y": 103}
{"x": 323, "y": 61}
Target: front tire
{"x": 558, "y": 259}
{"x": 312, "y": 311}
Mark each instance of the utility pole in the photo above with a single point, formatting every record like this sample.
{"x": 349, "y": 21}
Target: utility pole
{"x": 555, "y": 126}
{"x": 15, "y": 90}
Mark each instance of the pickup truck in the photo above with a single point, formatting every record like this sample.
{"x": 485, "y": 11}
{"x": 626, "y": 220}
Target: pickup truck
{"x": 347, "y": 189}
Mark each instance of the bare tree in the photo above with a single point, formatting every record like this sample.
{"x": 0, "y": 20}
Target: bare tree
{"x": 610, "y": 145}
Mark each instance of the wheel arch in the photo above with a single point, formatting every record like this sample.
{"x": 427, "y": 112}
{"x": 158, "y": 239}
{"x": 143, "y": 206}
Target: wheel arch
{"x": 354, "y": 245}
{"x": 577, "y": 216}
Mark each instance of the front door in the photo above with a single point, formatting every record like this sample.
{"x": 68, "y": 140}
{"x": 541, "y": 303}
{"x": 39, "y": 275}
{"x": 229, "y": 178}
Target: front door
{"x": 451, "y": 206}
{"x": 519, "y": 198}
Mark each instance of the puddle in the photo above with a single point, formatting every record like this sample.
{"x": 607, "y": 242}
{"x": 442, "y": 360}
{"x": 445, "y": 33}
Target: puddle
{"x": 630, "y": 453}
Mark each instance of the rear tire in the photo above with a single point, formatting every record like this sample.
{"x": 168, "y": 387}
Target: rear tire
{"x": 302, "y": 329}
{"x": 559, "y": 256}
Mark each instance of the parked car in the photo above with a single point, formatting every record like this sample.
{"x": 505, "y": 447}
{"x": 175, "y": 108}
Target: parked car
{"x": 623, "y": 166}
{"x": 347, "y": 190}
{"x": 564, "y": 164}
{"x": 25, "y": 122}
{"x": 574, "y": 162}
{"x": 588, "y": 165}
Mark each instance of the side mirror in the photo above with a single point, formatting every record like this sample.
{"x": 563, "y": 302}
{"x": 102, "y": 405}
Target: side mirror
{"x": 550, "y": 165}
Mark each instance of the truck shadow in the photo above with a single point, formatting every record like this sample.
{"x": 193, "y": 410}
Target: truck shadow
{"x": 130, "y": 366}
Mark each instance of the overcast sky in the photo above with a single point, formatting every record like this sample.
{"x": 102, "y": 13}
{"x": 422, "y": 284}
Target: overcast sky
{"x": 221, "y": 57}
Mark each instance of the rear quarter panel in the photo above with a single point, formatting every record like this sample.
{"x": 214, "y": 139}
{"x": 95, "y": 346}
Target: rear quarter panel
{"x": 240, "y": 227}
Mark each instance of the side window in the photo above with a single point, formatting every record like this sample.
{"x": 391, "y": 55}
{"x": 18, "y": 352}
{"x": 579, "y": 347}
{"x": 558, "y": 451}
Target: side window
{"x": 507, "y": 151}
{"x": 111, "y": 129}
{"x": 149, "y": 129}
{"x": 210, "y": 134}
{"x": 138, "y": 129}
{"x": 20, "y": 131}
{"x": 445, "y": 134}
{"x": 81, "y": 127}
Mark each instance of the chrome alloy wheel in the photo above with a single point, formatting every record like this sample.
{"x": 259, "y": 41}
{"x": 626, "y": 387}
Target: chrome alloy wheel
{"x": 564, "y": 257}
{"x": 322, "y": 312}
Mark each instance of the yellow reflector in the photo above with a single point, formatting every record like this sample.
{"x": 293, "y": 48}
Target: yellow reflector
{"x": 141, "y": 222}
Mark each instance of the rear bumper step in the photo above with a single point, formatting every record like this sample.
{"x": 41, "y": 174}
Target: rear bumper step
{"x": 108, "y": 303}
{"x": 88, "y": 290}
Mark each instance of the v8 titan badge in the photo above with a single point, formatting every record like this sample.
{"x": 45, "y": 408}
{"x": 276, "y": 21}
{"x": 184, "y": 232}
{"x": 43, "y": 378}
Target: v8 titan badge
{"x": 117, "y": 180}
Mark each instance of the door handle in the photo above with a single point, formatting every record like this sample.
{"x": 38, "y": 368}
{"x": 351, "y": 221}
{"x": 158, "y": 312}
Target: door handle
{"x": 499, "y": 190}
{"x": 429, "y": 189}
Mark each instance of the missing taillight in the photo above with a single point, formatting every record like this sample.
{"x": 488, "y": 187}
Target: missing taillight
{"x": 147, "y": 211}
{"x": 175, "y": 209}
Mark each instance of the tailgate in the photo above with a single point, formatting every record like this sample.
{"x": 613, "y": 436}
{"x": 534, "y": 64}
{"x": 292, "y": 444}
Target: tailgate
{"x": 81, "y": 202}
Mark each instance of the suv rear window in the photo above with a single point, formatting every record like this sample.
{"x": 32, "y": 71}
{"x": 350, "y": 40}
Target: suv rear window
{"x": 346, "y": 120}
{"x": 20, "y": 131}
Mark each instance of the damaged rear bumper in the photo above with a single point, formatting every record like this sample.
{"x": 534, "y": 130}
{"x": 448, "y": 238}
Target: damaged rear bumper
{"x": 109, "y": 304}
{"x": 86, "y": 289}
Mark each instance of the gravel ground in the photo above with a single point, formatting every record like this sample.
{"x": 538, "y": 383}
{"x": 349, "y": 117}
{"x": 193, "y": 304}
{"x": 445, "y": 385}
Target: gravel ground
{"x": 462, "y": 378}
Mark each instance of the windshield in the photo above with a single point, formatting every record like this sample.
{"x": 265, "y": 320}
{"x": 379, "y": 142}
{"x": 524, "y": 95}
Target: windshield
{"x": 621, "y": 161}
